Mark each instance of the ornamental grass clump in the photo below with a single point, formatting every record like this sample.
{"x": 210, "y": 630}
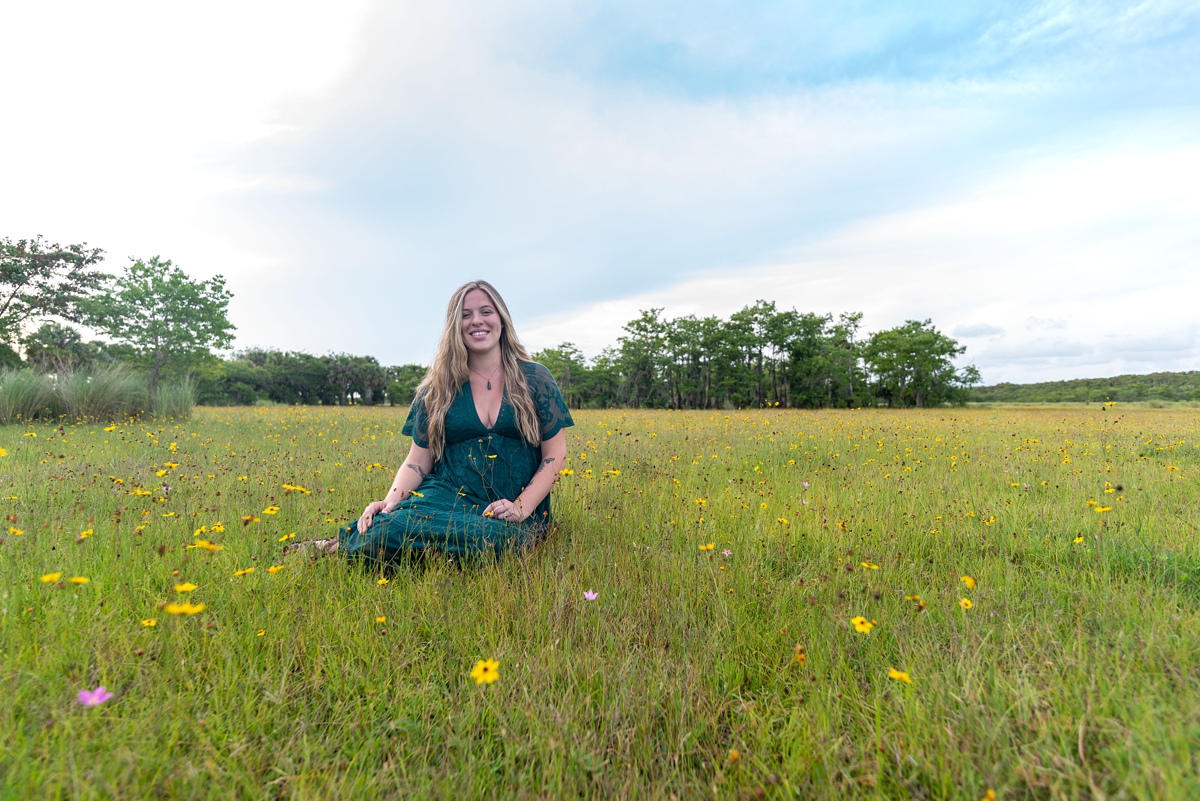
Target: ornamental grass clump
{"x": 175, "y": 400}
{"x": 24, "y": 395}
{"x": 109, "y": 392}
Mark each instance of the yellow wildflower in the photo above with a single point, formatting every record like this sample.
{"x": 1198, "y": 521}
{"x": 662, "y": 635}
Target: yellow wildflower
{"x": 273, "y": 569}
{"x": 79, "y": 580}
{"x": 862, "y": 625}
{"x": 16, "y": 532}
{"x": 270, "y": 510}
{"x": 381, "y": 619}
{"x": 206, "y": 545}
{"x": 969, "y": 581}
{"x": 899, "y": 675}
{"x": 187, "y": 586}
{"x": 186, "y": 608}
{"x": 799, "y": 655}
{"x": 243, "y": 571}
{"x": 382, "y": 581}
{"x": 50, "y": 578}
{"x": 287, "y": 536}
{"x": 870, "y": 566}
{"x": 150, "y": 622}
{"x": 486, "y": 671}
{"x": 708, "y": 547}
{"x": 965, "y": 603}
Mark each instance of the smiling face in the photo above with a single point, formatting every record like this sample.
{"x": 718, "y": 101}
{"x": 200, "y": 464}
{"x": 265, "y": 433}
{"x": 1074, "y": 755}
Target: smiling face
{"x": 481, "y": 324}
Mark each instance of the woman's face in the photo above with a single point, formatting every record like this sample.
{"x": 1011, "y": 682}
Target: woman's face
{"x": 481, "y": 324}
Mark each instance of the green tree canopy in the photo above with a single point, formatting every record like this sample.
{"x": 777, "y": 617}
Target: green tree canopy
{"x": 165, "y": 317}
{"x": 569, "y": 368}
{"x": 39, "y": 279}
{"x": 913, "y": 366}
{"x": 55, "y": 345}
{"x": 402, "y": 383}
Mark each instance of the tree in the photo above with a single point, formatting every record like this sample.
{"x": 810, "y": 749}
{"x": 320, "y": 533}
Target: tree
{"x": 402, "y": 383}
{"x": 641, "y": 359}
{"x": 566, "y": 363}
{"x": 39, "y": 279}
{"x": 169, "y": 320}
{"x": 355, "y": 375}
{"x": 912, "y": 366}
{"x": 55, "y": 345}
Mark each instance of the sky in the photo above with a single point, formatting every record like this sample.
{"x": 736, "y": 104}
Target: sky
{"x": 1023, "y": 174}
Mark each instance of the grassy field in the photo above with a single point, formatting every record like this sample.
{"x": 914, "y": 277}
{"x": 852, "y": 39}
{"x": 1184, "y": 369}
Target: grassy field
{"x": 729, "y": 554}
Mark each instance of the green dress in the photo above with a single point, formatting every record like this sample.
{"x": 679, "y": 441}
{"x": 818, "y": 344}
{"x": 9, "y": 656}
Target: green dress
{"x": 478, "y": 465}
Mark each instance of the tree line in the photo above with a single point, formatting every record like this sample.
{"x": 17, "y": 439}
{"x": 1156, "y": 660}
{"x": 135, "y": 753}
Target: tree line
{"x": 1177, "y": 387}
{"x": 764, "y": 356}
{"x": 160, "y": 321}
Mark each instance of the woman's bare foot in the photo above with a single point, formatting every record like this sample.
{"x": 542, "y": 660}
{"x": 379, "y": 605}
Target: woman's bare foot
{"x": 313, "y": 547}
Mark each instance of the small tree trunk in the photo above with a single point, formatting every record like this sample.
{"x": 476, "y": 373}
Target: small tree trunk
{"x": 154, "y": 371}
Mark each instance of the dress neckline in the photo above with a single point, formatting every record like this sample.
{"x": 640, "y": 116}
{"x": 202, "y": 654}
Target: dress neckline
{"x": 475, "y": 408}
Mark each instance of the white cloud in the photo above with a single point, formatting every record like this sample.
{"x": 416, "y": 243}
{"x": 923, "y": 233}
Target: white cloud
{"x": 347, "y": 165}
{"x": 117, "y": 114}
{"x": 977, "y": 330}
{"x": 1014, "y": 249}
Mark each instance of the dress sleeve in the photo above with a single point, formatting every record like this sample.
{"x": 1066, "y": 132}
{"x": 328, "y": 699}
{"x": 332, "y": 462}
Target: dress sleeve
{"x": 553, "y": 414}
{"x": 416, "y": 424}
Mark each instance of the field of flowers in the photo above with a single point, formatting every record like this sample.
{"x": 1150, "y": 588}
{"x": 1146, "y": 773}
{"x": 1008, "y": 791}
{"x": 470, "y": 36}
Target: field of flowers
{"x": 935, "y": 604}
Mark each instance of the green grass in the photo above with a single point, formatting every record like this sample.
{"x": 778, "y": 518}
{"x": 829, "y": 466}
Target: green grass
{"x": 1074, "y": 675}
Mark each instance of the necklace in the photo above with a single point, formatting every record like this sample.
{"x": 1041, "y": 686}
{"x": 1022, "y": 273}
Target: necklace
{"x": 485, "y": 378}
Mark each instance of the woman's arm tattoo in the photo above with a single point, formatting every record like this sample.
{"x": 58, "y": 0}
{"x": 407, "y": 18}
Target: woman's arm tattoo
{"x": 545, "y": 462}
{"x": 420, "y": 472}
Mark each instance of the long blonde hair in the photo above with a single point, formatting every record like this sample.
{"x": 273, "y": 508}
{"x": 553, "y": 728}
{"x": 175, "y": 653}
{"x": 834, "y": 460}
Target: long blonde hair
{"x": 449, "y": 371}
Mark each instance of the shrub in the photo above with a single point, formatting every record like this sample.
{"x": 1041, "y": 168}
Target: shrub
{"x": 24, "y": 394}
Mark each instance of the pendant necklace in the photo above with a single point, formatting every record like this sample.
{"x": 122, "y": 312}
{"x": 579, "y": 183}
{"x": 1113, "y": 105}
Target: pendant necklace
{"x": 485, "y": 378}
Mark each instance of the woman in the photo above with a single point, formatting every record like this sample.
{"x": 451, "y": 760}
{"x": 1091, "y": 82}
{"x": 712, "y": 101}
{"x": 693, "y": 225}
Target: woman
{"x": 487, "y": 444}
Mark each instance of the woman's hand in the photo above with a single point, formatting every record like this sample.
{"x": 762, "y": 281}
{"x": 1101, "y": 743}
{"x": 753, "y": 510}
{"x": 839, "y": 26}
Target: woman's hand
{"x": 506, "y": 510}
{"x": 369, "y": 513}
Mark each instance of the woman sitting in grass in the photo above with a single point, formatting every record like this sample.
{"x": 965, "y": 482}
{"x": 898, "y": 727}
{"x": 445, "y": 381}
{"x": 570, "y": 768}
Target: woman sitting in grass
{"x": 487, "y": 444}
